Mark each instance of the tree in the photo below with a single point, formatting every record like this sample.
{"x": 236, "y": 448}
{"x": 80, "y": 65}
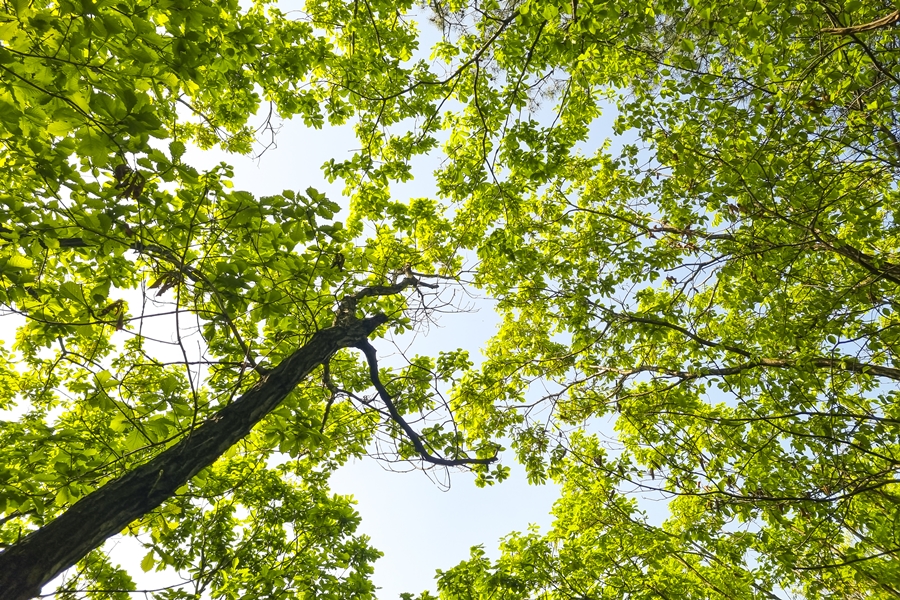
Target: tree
{"x": 721, "y": 289}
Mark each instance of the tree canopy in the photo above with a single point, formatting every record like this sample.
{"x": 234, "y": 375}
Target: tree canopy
{"x": 704, "y": 311}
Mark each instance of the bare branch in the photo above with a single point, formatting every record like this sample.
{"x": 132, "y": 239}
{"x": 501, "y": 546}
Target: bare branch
{"x": 371, "y": 358}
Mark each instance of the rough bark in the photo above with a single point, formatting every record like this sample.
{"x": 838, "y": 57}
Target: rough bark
{"x": 46, "y": 552}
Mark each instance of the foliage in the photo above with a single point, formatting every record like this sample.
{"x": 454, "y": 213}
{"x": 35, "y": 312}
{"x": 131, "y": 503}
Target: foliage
{"x": 721, "y": 290}
{"x": 710, "y": 299}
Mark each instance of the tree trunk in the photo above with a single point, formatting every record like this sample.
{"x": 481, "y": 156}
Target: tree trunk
{"x": 46, "y": 552}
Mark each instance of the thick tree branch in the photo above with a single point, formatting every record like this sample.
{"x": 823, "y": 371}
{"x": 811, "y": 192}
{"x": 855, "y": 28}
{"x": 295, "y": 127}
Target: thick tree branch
{"x": 371, "y": 358}
{"x": 885, "y": 21}
{"x": 43, "y": 554}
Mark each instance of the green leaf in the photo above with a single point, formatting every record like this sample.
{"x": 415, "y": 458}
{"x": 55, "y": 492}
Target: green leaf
{"x": 148, "y": 562}
{"x": 71, "y": 291}
{"x": 92, "y": 144}
{"x": 19, "y": 262}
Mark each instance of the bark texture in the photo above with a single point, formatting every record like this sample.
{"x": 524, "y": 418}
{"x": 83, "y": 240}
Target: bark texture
{"x": 42, "y": 555}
